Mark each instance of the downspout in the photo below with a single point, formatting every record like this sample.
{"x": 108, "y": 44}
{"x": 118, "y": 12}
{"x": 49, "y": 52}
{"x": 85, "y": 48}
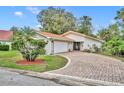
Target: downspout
{"x": 52, "y": 45}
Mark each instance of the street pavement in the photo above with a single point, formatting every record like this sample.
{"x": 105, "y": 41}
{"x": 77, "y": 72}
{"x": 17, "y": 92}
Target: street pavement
{"x": 8, "y": 78}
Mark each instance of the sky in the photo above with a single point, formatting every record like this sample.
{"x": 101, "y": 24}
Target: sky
{"x": 21, "y": 16}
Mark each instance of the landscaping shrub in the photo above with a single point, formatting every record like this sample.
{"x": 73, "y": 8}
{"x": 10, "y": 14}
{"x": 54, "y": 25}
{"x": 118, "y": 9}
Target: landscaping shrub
{"x": 95, "y": 49}
{"x": 87, "y": 50}
{"x": 115, "y": 46}
{"x": 4, "y": 47}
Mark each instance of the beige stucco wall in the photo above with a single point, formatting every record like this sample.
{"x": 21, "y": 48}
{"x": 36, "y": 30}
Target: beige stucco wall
{"x": 88, "y": 43}
{"x": 85, "y": 43}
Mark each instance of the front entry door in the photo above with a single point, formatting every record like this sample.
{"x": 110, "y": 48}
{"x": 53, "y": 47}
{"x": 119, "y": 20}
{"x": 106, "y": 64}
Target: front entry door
{"x": 76, "y": 45}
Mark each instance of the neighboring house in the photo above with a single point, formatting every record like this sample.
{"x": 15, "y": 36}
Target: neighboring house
{"x": 67, "y": 42}
{"x": 5, "y": 37}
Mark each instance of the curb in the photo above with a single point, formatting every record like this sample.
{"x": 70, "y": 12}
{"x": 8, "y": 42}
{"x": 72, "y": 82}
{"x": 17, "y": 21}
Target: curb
{"x": 77, "y": 81}
{"x": 64, "y": 79}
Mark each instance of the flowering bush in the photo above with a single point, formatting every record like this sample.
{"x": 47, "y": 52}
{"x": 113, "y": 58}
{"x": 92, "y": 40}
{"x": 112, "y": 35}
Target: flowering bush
{"x": 29, "y": 47}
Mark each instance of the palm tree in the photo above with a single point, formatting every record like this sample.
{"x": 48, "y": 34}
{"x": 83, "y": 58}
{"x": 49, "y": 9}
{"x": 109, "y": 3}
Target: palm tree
{"x": 120, "y": 16}
{"x": 120, "y": 20}
{"x": 85, "y": 25}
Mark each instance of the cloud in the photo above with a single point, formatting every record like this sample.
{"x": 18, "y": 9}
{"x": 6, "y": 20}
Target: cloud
{"x": 96, "y": 28}
{"x": 112, "y": 21}
{"x": 37, "y": 27}
{"x": 33, "y": 10}
{"x": 19, "y": 13}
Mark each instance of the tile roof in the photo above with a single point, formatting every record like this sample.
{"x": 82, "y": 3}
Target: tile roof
{"x": 5, "y": 35}
{"x": 55, "y": 36}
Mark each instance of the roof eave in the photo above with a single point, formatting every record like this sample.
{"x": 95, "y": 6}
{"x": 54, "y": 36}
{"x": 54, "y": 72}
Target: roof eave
{"x": 5, "y": 40}
{"x": 82, "y": 35}
{"x": 61, "y": 39}
{"x": 54, "y": 38}
{"x": 42, "y": 34}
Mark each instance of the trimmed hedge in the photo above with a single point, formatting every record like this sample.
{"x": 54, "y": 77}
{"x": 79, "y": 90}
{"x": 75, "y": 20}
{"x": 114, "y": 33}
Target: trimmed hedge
{"x": 4, "y": 47}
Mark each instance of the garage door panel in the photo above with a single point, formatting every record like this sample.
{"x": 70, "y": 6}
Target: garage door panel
{"x": 60, "y": 47}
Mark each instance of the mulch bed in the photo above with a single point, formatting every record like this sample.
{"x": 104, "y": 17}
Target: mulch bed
{"x": 25, "y": 62}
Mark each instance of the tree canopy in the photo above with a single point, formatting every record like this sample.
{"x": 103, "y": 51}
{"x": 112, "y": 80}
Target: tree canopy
{"x": 56, "y": 20}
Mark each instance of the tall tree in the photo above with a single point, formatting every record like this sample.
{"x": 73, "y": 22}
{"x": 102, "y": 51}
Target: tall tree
{"x": 103, "y": 34}
{"x": 85, "y": 25}
{"x": 120, "y": 20}
{"x": 56, "y": 20}
{"x": 113, "y": 30}
{"x": 109, "y": 32}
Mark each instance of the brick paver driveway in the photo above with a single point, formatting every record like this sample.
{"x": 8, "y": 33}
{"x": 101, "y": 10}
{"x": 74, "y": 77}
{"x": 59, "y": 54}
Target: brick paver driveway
{"x": 93, "y": 66}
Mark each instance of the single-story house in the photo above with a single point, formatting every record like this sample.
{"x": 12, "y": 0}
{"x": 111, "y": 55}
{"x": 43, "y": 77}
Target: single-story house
{"x": 67, "y": 42}
{"x": 5, "y": 37}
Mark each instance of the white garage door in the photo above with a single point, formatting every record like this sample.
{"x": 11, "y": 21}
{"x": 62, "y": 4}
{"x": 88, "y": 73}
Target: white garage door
{"x": 60, "y": 46}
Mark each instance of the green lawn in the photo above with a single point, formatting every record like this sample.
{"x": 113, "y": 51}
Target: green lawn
{"x": 9, "y": 58}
